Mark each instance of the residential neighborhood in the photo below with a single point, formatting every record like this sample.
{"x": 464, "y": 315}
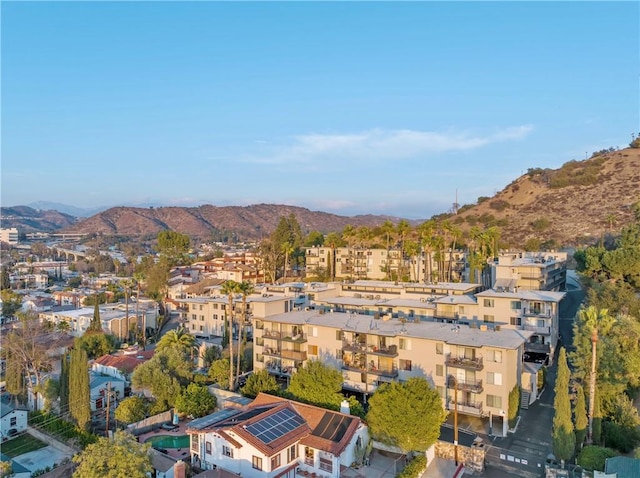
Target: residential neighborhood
{"x": 486, "y": 351}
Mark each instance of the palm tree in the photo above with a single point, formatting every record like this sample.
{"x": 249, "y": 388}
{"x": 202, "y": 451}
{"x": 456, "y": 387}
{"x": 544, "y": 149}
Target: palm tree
{"x": 425, "y": 231}
{"x": 388, "y": 229}
{"x": 402, "y": 229}
{"x": 179, "y": 338}
{"x": 138, "y": 277}
{"x": 230, "y": 288}
{"x": 332, "y": 241}
{"x": 126, "y": 284}
{"x": 246, "y": 289}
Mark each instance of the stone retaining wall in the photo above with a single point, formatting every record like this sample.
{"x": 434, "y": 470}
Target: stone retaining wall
{"x": 471, "y": 457}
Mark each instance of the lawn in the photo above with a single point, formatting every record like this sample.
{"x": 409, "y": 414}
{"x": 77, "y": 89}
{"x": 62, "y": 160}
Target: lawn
{"x": 22, "y": 444}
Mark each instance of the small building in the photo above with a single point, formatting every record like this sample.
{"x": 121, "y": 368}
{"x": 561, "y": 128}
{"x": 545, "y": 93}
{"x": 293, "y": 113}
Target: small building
{"x": 101, "y": 386}
{"x": 13, "y": 419}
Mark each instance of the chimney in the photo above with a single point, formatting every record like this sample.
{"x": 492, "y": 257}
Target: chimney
{"x": 179, "y": 469}
{"x": 344, "y": 408}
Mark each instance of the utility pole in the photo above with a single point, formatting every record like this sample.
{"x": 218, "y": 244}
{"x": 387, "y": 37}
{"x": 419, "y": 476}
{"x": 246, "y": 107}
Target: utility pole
{"x": 592, "y": 385}
{"x": 453, "y": 380}
{"x": 108, "y": 407}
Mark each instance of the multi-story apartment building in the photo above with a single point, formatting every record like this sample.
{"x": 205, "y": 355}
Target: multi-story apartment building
{"x": 9, "y": 235}
{"x": 535, "y": 311}
{"x": 206, "y": 316}
{"x": 377, "y": 264}
{"x": 477, "y": 368}
{"x": 515, "y": 271}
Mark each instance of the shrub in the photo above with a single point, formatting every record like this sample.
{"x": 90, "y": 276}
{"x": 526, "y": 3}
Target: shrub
{"x": 635, "y": 143}
{"x": 415, "y": 467}
{"x": 499, "y": 204}
{"x": 482, "y": 199}
{"x": 540, "y": 225}
{"x": 593, "y": 457}
{"x": 514, "y": 406}
{"x": 542, "y": 377}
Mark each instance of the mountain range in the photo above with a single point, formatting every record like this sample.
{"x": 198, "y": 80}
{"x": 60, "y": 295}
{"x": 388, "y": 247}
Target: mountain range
{"x": 572, "y": 204}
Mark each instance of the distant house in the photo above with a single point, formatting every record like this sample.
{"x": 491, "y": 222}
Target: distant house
{"x": 13, "y": 419}
{"x": 275, "y": 437}
{"x": 621, "y": 467}
{"x": 121, "y": 364}
{"x": 100, "y": 386}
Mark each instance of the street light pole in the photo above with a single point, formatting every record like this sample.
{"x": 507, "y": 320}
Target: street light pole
{"x": 453, "y": 380}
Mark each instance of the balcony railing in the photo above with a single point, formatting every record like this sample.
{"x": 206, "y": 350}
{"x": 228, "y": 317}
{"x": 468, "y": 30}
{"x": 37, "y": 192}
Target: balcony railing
{"x": 293, "y": 355}
{"x": 271, "y": 334}
{"x": 354, "y": 347}
{"x": 474, "y": 386}
{"x": 357, "y": 347}
{"x": 372, "y": 369}
{"x": 278, "y": 369}
{"x": 536, "y": 313}
{"x": 467, "y": 408}
{"x": 471, "y": 363}
{"x": 537, "y": 347}
{"x": 298, "y": 338}
{"x": 537, "y": 330}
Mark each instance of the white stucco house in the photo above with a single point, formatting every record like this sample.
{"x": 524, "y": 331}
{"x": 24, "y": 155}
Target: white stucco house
{"x": 274, "y": 437}
{"x": 13, "y": 419}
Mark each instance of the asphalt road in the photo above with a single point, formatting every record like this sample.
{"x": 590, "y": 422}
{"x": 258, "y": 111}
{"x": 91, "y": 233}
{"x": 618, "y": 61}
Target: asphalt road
{"x": 524, "y": 452}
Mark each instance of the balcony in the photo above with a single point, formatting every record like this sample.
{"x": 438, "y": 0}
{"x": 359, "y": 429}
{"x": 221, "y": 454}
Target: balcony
{"x": 537, "y": 330}
{"x": 275, "y": 368}
{"x": 537, "y": 347}
{"x": 390, "y": 351}
{"x": 371, "y": 369}
{"x": 466, "y": 408}
{"x": 474, "y": 386}
{"x": 297, "y": 338}
{"x": 271, "y": 334}
{"x": 357, "y": 347}
{"x": 469, "y": 363}
{"x": 536, "y": 313}
{"x": 293, "y": 355}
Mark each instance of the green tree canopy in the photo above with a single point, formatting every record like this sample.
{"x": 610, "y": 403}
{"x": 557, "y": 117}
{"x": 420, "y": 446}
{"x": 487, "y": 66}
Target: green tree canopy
{"x": 173, "y": 247}
{"x": 179, "y": 339}
{"x": 79, "y": 392}
{"x": 164, "y": 375}
{"x": 564, "y": 439}
{"x": 581, "y": 420}
{"x": 196, "y": 401}
{"x": 11, "y": 302}
{"x": 407, "y": 415}
{"x": 318, "y": 384}
{"x": 219, "y": 373}
{"x": 122, "y": 457}
{"x": 132, "y": 409}
{"x": 260, "y": 381}
{"x": 96, "y": 344}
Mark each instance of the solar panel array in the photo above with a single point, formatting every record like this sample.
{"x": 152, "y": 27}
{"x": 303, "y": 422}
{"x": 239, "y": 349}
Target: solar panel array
{"x": 275, "y": 426}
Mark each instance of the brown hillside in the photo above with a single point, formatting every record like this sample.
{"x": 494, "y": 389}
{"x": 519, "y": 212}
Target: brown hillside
{"x": 581, "y": 200}
{"x": 249, "y": 222}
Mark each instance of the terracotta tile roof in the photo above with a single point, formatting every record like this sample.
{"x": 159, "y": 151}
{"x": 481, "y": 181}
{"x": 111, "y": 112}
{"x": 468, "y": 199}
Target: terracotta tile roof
{"x": 125, "y": 363}
{"x": 323, "y": 423}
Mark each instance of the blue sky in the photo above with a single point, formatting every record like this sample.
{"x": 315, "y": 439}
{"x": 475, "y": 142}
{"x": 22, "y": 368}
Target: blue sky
{"x": 344, "y": 107}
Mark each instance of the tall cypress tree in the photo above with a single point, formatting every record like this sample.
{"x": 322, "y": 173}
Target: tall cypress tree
{"x": 581, "y": 421}
{"x": 564, "y": 439}
{"x": 79, "y": 393}
{"x": 14, "y": 376}
{"x": 96, "y": 322}
{"x": 64, "y": 384}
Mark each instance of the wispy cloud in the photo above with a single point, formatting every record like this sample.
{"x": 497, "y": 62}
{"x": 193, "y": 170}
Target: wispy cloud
{"x": 380, "y": 144}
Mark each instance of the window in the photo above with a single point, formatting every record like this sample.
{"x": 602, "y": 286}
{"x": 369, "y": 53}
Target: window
{"x": 207, "y": 447}
{"x": 215, "y": 316}
{"x": 195, "y": 443}
{"x": 292, "y": 453}
{"x": 193, "y": 326}
{"x": 202, "y": 318}
{"x": 201, "y": 306}
{"x": 194, "y": 317}
{"x": 440, "y": 390}
{"x": 515, "y": 321}
{"x": 314, "y": 331}
{"x": 256, "y": 463}
{"x": 516, "y": 305}
{"x": 313, "y": 350}
{"x": 201, "y": 328}
{"x": 495, "y": 356}
{"x": 439, "y": 348}
{"x": 215, "y": 306}
{"x": 193, "y": 306}
{"x": 275, "y": 462}
{"x": 339, "y": 354}
{"x": 14, "y": 421}
{"x": 489, "y": 318}
{"x": 494, "y": 401}
{"x": 339, "y": 334}
{"x": 405, "y": 365}
{"x": 494, "y": 378}
{"x": 226, "y": 451}
{"x": 439, "y": 370}
{"x": 404, "y": 344}
{"x": 488, "y": 302}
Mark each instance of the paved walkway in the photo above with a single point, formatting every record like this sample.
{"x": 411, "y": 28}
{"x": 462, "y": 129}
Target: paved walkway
{"x": 382, "y": 465}
{"x": 441, "y": 468}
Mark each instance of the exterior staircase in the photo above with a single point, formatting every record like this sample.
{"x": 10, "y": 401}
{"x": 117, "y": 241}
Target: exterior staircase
{"x": 524, "y": 399}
